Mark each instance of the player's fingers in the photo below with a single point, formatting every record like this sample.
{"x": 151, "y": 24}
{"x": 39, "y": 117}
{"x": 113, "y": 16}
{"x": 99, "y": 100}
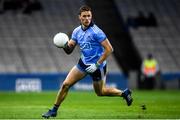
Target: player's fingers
{"x": 88, "y": 69}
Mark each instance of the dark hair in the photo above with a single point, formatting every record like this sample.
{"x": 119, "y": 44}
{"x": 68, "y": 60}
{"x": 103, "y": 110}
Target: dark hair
{"x": 84, "y": 8}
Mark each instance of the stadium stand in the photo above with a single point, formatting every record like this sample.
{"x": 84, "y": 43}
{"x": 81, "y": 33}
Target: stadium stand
{"x": 26, "y": 40}
{"x": 162, "y": 41}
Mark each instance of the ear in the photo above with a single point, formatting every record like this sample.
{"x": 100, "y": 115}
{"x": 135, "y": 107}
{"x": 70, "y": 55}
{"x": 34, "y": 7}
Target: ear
{"x": 79, "y": 16}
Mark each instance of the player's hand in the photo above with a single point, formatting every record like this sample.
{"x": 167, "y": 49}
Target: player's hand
{"x": 92, "y": 67}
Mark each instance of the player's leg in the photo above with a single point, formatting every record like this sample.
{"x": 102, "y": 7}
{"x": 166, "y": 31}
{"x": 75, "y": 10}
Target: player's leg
{"x": 102, "y": 90}
{"x": 99, "y": 79}
{"x": 74, "y": 75}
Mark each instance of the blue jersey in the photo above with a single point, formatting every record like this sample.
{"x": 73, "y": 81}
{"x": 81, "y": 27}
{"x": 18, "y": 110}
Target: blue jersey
{"x": 89, "y": 41}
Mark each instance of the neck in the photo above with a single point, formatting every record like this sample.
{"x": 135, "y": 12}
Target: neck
{"x": 86, "y": 27}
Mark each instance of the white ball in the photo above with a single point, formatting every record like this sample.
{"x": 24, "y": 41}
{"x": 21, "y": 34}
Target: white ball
{"x": 60, "y": 39}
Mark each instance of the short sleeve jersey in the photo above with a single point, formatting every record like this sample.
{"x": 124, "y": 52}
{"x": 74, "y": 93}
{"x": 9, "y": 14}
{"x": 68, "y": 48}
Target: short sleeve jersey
{"x": 89, "y": 41}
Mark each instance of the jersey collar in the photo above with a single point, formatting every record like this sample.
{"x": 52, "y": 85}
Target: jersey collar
{"x": 90, "y": 25}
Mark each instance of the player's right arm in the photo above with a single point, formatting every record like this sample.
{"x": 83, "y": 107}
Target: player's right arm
{"x": 69, "y": 46}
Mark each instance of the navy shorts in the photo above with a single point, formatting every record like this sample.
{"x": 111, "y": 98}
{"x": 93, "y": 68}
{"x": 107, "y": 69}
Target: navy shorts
{"x": 99, "y": 74}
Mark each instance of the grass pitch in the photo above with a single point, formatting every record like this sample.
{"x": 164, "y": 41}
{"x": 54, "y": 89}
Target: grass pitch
{"x": 86, "y": 105}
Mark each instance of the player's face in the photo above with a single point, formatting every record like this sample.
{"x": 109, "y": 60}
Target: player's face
{"x": 85, "y": 18}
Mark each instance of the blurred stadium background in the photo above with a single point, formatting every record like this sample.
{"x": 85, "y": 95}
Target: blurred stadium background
{"x": 29, "y": 60}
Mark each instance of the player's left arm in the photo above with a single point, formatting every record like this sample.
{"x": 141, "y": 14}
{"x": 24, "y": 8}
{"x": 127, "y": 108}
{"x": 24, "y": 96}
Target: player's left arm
{"x": 108, "y": 49}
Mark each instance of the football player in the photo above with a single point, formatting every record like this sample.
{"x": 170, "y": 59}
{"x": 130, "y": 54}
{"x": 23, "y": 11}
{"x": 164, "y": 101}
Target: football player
{"x": 95, "y": 49}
